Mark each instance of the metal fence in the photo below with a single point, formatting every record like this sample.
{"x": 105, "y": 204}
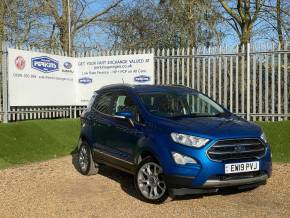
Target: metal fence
{"x": 250, "y": 81}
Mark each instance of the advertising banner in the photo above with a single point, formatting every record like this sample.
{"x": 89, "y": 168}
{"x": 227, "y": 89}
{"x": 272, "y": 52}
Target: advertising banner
{"x": 38, "y": 79}
{"x": 95, "y": 72}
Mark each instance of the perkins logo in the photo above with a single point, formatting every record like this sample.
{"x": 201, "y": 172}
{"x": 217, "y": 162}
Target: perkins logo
{"x": 67, "y": 65}
{"x": 142, "y": 79}
{"x": 44, "y": 64}
{"x": 85, "y": 80}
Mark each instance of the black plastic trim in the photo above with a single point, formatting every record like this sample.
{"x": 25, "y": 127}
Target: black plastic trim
{"x": 104, "y": 158}
{"x": 173, "y": 181}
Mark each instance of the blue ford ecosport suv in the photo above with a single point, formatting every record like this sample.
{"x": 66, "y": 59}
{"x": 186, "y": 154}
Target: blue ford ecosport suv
{"x": 172, "y": 139}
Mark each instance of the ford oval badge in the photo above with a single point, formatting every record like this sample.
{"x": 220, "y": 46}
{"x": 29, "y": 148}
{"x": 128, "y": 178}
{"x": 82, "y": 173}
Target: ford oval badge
{"x": 142, "y": 78}
{"x": 85, "y": 80}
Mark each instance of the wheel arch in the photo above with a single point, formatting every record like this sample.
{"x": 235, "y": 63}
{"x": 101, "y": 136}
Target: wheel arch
{"x": 146, "y": 152}
{"x": 86, "y": 135}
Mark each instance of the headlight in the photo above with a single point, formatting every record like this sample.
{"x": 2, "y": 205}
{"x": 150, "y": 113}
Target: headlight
{"x": 263, "y": 137}
{"x": 188, "y": 140}
{"x": 182, "y": 159}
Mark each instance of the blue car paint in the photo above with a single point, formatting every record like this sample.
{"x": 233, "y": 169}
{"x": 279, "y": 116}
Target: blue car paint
{"x": 154, "y": 137}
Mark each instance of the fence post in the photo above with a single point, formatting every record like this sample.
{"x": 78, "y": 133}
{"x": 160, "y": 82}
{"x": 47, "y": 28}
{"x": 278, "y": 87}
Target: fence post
{"x": 4, "y": 84}
{"x": 248, "y": 82}
{"x": 286, "y": 94}
{"x": 75, "y": 112}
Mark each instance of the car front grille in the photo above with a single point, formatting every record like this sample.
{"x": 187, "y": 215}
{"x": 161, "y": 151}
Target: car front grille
{"x": 236, "y": 149}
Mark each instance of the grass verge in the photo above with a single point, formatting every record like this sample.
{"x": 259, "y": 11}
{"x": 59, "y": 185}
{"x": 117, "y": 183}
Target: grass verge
{"x": 278, "y": 135}
{"x": 37, "y": 140}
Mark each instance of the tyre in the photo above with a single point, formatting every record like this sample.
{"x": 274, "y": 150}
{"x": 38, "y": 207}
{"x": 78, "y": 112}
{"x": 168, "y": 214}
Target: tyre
{"x": 85, "y": 162}
{"x": 149, "y": 181}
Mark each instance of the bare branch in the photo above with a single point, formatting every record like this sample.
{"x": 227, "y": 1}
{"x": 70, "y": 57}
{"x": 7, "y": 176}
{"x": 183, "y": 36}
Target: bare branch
{"x": 93, "y": 18}
{"x": 239, "y": 7}
{"x": 230, "y": 11}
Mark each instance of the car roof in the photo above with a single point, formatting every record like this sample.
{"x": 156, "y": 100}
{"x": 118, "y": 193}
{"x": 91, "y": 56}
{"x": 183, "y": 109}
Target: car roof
{"x": 148, "y": 88}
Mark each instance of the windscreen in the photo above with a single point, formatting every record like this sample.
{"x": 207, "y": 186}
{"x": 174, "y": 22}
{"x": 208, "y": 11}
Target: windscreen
{"x": 173, "y": 104}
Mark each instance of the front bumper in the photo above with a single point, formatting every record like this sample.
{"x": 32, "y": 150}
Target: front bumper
{"x": 182, "y": 185}
{"x": 235, "y": 182}
{"x": 186, "y": 182}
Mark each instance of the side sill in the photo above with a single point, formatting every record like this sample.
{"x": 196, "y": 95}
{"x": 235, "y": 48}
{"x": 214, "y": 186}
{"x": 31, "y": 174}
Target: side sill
{"x": 104, "y": 158}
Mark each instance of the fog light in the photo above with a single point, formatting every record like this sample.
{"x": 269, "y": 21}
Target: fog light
{"x": 182, "y": 159}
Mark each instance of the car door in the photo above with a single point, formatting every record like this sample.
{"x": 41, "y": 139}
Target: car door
{"x": 125, "y": 136}
{"x": 102, "y": 122}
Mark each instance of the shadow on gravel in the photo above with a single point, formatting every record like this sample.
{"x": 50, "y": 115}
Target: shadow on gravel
{"x": 127, "y": 184}
{"x": 222, "y": 191}
{"x": 124, "y": 179}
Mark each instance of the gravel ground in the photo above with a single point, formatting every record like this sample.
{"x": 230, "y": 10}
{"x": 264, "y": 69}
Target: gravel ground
{"x": 55, "y": 189}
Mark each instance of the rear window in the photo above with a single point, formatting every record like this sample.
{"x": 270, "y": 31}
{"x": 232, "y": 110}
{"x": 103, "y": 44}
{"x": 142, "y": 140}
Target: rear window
{"x": 103, "y": 103}
{"x": 91, "y": 102}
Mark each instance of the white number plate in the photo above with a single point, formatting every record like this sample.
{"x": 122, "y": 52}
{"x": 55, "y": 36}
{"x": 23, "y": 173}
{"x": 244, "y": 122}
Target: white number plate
{"x": 242, "y": 167}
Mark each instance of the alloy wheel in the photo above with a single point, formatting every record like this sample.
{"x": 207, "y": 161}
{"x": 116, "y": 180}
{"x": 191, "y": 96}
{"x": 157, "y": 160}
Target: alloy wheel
{"x": 84, "y": 158}
{"x": 150, "y": 182}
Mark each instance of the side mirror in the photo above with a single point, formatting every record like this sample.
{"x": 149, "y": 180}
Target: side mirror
{"x": 126, "y": 115}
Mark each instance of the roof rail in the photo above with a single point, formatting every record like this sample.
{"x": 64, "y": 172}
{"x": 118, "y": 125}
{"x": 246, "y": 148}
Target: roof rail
{"x": 116, "y": 85}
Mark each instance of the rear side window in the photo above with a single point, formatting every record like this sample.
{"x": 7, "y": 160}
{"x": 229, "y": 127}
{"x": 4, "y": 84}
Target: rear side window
{"x": 103, "y": 103}
{"x": 91, "y": 102}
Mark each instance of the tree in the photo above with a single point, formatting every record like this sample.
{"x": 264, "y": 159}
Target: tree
{"x": 279, "y": 22}
{"x": 194, "y": 20}
{"x": 16, "y": 22}
{"x": 3, "y": 9}
{"x": 135, "y": 26}
{"x": 179, "y": 23}
{"x": 276, "y": 17}
{"x": 79, "y": 18}
{"x": 241, "y": 15}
